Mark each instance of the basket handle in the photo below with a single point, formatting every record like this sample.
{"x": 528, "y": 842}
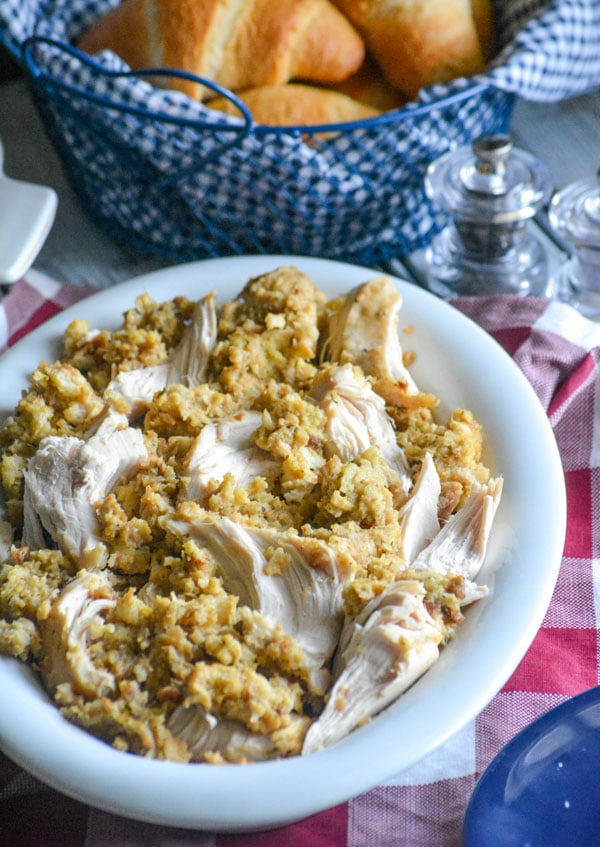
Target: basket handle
{"x": 43, "y": 77}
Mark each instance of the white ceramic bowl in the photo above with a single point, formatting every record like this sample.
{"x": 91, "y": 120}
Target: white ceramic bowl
{"x": 461, "y": 363}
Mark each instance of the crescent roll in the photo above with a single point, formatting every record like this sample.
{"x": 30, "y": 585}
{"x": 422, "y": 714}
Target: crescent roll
{"x": 236, "y": 43}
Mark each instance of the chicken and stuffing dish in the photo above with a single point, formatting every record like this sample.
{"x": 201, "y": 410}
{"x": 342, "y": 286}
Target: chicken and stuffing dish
{"x": 237, "y": 531}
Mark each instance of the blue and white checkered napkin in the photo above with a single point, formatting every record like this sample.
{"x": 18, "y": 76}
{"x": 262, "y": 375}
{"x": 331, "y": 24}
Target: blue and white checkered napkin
{"x": 552, "y": 50}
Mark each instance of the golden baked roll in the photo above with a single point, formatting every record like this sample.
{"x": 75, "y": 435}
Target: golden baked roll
{"x": 237, "y": 43}
{"x": 296, "y": 104}
{"x": 421, "y": 42}
{"x": 483, "y": 15}
{"x": 369, "y": 85}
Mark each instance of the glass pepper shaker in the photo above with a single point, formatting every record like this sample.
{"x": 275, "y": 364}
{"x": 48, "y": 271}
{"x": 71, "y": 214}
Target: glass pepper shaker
{"x": 490, "y": 191}
{"x": 574, "y": 214}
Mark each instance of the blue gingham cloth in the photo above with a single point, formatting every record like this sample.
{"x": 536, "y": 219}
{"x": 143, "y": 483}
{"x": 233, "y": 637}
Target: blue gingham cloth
{"x": 552, "y": 50}
{"x": 170, "y": 176}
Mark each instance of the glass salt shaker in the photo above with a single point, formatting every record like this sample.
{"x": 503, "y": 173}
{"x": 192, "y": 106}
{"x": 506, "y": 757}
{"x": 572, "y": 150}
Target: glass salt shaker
{"x": 490, "y": 191}
{"x": 574, "y": 214}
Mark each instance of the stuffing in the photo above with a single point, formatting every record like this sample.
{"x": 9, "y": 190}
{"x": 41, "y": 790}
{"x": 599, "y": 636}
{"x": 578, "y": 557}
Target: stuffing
{"x": 221, "y": 513}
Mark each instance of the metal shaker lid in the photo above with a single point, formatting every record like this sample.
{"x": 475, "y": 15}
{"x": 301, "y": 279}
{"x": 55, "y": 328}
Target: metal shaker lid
{"x": 490, "y": 181}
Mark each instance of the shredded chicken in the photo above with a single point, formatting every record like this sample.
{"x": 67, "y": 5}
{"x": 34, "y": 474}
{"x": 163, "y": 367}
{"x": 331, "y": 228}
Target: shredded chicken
{"x": 6, "y": 537}
{"x": 419, "y": 515}
{"x": 364, "y": 331}
{"x": 294, "y": 582}
{"x": 230, "y": 740}
{"x": 66, "y": 477}
{"x": 357, "y": 419}
{"x": 235, "y": 532}
{"x": 187, "y": 363}
{"x": 461, "y": 544}
{"x": 67, "y": 633}
{"x": 395, "y": 639}
{"x": 382, "y": 653}
{"x": 227, "y": 447}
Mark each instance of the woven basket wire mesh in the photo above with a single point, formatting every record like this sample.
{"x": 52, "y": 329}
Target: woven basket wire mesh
{"x": 222, "y": 187}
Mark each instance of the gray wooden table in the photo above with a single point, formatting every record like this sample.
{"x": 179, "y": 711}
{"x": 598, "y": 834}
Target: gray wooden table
{"x": 566, "y": 136}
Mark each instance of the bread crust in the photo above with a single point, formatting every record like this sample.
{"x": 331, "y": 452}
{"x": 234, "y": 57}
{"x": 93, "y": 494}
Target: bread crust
{"x": 420, "y": 42}
{"x": 126, "y": 29}
{"x": 296, "y": 104}
{"x": 369, "y": 85}
{"x": 483, "y": 15}
{"x": 236, "y": 43}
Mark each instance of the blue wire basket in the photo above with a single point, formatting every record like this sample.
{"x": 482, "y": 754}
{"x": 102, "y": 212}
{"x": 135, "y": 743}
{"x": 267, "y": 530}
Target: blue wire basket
{"x": 188, "y": 186}
{"x": 168, "y": 176}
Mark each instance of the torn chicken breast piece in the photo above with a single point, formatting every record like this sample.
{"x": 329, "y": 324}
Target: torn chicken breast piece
{"x": 293, "y": 582}
{"x": 6, "y": 535}
{"x": 364, "y": 332}
{"x": 418, "y": 517}
{"x": 265, "y": 637}
{"x": 357, "y": 419}
{"x": 66, "y": 477}
{"x": 395, "y": 640}
{"x": 33, "y": 531}
{"x": 140, "y": 385}
{"x": 383, "y": 652}
{"x": 203, "y": 733}
{"x": 66, "y": 636}
{"x": 461, "y": 544}
{"x": 108, "y": 422}
{"x": 187, "y": 364}
{"x": 223, "y": 447}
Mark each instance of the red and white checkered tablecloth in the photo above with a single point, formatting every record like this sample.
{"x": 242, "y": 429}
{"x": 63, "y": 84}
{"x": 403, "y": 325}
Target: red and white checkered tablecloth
{"x": 559, "y": 352}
